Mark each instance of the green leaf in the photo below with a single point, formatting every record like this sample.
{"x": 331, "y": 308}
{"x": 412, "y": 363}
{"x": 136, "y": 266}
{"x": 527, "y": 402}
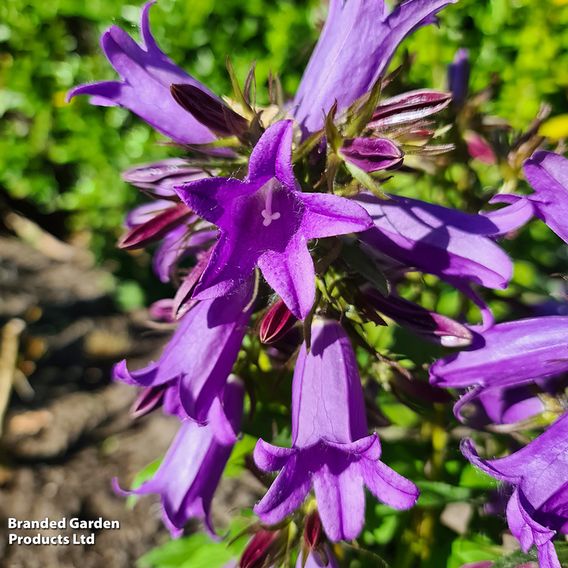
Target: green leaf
{"x": 364, "y": 265}
{"x": 366, "y": 180}
{"x": 242, "y": 449}
{"x": 475, "y": 549}
{"x": 438, "y": 493}
{"x": 474, "y": 478}
{"x": 198, "y": 550}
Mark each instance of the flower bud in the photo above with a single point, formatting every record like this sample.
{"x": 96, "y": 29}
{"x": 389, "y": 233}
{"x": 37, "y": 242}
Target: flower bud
{"x": 259, "y": 548}
{"x": 313, "y": 530}
{"x": 409, "y": 107}
{"x": 277, "y": 321}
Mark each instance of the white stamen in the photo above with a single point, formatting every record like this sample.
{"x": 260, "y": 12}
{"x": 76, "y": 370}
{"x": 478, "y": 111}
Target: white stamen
{"x": 267, "y": 214}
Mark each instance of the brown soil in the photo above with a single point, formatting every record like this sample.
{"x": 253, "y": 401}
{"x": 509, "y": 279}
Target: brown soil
{"x": 60, "y": 449}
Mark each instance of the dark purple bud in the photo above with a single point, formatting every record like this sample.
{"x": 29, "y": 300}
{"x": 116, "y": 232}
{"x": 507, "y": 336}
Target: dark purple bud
{"x": 182, "y": 300}
{"x": 210, "y": 111}
{"x": 259, "y": 548}
{"x": 149, "y": 399}
{"x": 277, "y": 321}
{"x": 408, "y": 107}
{"x": 458, "y": 76}
{"x": 313, "y": 531}
{"x": 430, "y": 325}
{"x": 372, "y": 154}
{"x": 155, "y": 228}
{"x": 479, "y": 149}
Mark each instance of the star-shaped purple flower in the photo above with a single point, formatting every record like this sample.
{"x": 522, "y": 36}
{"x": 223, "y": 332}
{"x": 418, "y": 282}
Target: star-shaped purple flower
{"x": 266, "y": 221}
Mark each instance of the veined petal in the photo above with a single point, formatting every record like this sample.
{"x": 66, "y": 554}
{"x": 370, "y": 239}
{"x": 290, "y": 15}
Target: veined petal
{"x": 286, "y": 493}
{"x": 341, "y": 499}
{"x": 291, "y": 274}
{"x": 387, "y": 485}
{"x": 227, "y": 269}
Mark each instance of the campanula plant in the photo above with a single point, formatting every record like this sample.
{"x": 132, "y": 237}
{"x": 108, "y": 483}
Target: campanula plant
{"x": 290, "y": 264}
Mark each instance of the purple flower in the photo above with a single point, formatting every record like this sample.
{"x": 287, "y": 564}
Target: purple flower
{"x": 266, "y": 221}
{"x": 331, "y": 449}
{"x": 201, "y": 353}
{"x": 508, "y": 354}
{"x": 453, "y": 245}
{"x": 356, "y": 45}
{"x": 190, "y": 472}
{"x": 146, "y": 75}
{"x": 538, "y": 507}
{"x": 547, "y": 173}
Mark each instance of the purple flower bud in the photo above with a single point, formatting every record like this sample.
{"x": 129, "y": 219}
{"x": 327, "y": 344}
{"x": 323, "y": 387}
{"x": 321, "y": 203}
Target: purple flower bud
{"x": 190, "y": 472}
{"x": 409, "y": 107}
{"x": 430, "y": 325}
{"x": 479, "y": 149}
{"x": 331, "y": 449}
{"x": 536, "y": 511}
{"x": 276, "y": 323}
{"x": 259, "y": 549}
{"x": 182, "y": 301}
{"x": 156, "y": 228}
{"x": 210, "y": 111}
{"x": 201, "y": 353}
{"x": 320, "y": 558}
{"x": 458, "y": 76}
{"x": 313, "y": 532}
{"x": 371, "y": 154}
{"x": 159, "y": 178}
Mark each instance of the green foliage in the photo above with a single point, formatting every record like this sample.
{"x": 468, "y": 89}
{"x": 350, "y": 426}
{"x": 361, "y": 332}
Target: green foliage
{"x": 197, "y": 550}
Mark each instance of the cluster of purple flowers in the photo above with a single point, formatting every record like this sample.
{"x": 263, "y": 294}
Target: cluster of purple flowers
{"x": 260, "y": 227}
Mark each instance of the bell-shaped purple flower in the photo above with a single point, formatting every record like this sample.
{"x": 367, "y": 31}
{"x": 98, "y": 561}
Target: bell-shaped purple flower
{"x": 508, "y": 354}
{"x": 266, "y": 221}
{"x": 331, "y": 449}
{"x": 356, "y": 45}
{"x": 451, "y": 244}
{"x": 146, "y": 75}
{"x": 201, "y": 353}
{"x": 538, "y": 507}
{"x": 190, "y": 472}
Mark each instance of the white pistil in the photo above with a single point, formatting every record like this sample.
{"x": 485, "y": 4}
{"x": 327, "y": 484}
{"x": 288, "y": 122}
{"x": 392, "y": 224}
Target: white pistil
{"x": 267, "y": 214}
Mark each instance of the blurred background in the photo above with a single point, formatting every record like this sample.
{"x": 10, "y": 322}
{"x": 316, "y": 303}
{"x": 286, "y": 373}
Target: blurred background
{"x": 71, "y": 304}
